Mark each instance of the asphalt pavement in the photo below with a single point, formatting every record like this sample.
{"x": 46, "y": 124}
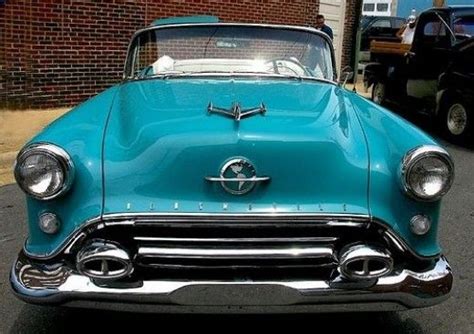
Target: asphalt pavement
{"x": 455, "y": 315}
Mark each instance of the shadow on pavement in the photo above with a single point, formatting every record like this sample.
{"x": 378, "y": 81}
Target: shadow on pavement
{"x": 36, "y": 319}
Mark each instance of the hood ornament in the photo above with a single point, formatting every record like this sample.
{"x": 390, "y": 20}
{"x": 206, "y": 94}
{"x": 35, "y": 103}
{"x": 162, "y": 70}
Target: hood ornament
{"x": 236, "y": 112}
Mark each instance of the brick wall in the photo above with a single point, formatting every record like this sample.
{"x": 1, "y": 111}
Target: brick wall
{"x": 353, "y": 12}
{"x": 59, "y": 53}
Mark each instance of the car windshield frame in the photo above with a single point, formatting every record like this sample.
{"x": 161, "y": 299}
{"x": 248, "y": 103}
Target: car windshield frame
{"x": 129, "y": 62}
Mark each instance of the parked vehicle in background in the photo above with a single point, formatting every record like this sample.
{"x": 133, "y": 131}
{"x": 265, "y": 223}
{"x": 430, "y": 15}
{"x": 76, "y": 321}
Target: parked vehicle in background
{"x": 434, "y": 74}
{"x": 231, "y": 171}
{"x": 377, "y": 7}
{"x": 380, "y": 28}
{"x": 455, "y": 95}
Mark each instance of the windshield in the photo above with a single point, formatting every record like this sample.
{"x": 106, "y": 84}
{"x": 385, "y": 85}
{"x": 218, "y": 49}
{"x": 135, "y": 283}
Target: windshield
{"x": 230, "y": 49}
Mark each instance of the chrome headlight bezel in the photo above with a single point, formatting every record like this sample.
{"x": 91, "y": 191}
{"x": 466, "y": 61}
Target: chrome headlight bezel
{"x": 414, "y": 156}
{"x": 51, "y": 151}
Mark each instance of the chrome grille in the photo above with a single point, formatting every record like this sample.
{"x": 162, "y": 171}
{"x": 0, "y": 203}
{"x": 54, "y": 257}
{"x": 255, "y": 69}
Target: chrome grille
{"x": 233, "y": 245}
{"x": 239, "y": 247}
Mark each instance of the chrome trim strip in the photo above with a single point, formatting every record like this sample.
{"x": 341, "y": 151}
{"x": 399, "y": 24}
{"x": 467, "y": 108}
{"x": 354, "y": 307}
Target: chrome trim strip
{"x": 249, "y": 216}
{"x": 405, "y": 287}
{"x": 121, "y": 223}
{"x": 237, "y": 179}
{"x": 272, "y": 26}
{"x": 240, "y": 240}
{"x": 346, "y": 224}
{"x": 128, "y": 219}
{"x": 234, "y": 223}
{"x": 58, "y": 154}
{"x": 412, "y": 157}
{"x": 239, "y": 253}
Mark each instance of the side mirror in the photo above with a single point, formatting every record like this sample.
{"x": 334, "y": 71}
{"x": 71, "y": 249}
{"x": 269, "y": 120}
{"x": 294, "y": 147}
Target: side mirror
{"x": 346, "y": 74}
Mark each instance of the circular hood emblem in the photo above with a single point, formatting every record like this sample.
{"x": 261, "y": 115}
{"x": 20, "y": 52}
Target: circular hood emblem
{"x": 238, "y": 168}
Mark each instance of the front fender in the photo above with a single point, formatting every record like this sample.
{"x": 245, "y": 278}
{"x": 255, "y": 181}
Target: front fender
{"x": 389, "y": 137}
{"x": 79, "y": 132}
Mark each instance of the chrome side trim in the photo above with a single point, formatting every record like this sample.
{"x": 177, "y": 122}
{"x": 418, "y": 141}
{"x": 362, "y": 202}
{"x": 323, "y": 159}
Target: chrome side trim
{"x": 240, "y": 253}
{"x": 60, "y": 285}
{"x": 58, "y": 154}
{"x": 412, "y": 157}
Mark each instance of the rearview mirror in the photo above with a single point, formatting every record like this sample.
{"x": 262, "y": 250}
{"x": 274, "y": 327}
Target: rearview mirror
{"x": 346, "y": 74}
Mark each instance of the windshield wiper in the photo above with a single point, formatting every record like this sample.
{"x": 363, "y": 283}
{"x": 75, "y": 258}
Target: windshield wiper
{"x": 163, "y": 75}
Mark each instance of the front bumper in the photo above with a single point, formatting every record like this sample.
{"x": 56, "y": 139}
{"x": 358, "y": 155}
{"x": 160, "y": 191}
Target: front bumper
{"x": 37, "y": 283}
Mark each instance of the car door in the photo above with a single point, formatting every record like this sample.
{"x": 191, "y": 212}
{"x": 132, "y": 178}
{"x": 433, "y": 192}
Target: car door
{"x": 429, "y": 55}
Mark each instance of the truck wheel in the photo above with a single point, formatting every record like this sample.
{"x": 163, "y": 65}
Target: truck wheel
{"x": 456, "y": 119}
{"x": 378, "y": 93}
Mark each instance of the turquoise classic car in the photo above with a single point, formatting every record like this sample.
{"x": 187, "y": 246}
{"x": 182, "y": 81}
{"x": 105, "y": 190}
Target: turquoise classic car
{"x": 230, "y": 170}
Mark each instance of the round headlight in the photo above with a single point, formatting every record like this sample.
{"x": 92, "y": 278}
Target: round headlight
{"x": 44, "y": 171}
{"x": 427, "y": 173}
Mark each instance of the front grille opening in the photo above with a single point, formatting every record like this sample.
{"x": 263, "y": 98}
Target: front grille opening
{"x": 241, "y": 235}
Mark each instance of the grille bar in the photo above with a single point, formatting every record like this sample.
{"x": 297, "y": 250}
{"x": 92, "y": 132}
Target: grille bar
{"x": 238, "y": 240}
{"x": 226, "y": 267}
{"x": 242, "y": 253}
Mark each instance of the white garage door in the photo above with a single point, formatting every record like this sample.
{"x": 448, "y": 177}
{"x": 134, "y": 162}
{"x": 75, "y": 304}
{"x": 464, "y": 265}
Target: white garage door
{"x": 334, "y": 13}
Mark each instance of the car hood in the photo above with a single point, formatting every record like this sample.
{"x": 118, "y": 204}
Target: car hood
{"x": 161, "y": 143}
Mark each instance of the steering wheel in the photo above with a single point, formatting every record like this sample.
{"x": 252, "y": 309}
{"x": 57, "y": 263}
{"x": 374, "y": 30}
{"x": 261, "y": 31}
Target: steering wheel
{"x": 277, "y": 63}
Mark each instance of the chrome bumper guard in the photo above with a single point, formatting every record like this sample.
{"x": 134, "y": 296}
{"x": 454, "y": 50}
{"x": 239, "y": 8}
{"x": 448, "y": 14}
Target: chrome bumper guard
{"x": 35, "y": 282}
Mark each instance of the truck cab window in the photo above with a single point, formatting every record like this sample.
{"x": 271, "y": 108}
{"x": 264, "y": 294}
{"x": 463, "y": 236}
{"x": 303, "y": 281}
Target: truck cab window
{"x": 398, "y": 23}
{"x": 435, "y": 33}
{"x": 381, "y": 24}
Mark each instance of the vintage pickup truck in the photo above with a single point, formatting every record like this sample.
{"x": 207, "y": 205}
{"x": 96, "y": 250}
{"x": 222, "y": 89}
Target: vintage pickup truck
{"x": 435, "y": 74}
